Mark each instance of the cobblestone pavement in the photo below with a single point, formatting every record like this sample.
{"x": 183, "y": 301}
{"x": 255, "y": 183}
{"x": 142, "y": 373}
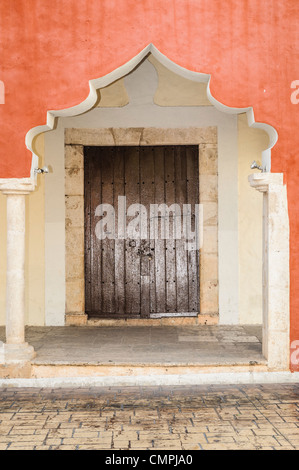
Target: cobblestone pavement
{"x": 172, "y": 418}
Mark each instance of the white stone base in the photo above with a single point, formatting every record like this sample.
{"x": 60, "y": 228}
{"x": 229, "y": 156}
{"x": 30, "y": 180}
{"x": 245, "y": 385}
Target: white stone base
{"x": 225, "y": 378}
{"x": 22, "y": 352}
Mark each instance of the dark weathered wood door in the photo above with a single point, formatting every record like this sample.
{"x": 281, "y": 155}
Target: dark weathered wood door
{"x": 150, "y": 275}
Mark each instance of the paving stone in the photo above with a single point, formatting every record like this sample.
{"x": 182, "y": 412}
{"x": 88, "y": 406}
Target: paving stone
{"x": 259, "y": 417}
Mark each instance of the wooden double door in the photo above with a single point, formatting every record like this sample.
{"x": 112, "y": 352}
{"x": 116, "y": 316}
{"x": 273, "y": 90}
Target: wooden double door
{"x": 128, "y": 276}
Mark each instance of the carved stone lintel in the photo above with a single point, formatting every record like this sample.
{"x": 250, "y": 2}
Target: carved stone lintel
{"x": 262, "y": 181}
{"x": 17, "y": 186}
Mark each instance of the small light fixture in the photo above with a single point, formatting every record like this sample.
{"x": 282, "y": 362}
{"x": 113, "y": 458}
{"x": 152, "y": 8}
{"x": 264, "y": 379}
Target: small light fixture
{"x": 255, "y": 165}
{"x": 45, "y": 169}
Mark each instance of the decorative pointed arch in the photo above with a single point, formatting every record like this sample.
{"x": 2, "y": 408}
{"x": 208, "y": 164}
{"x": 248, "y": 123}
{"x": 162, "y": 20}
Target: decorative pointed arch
{"x": 125, "y": 69}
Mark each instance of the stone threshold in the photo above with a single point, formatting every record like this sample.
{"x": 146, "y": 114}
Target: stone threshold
{"x": 163, "y": 321}
{"x": 139, "y": 351}
{"x": 136, "y": 370}
{"x": 252, "y": 375}
{"x": 61, "y": 370}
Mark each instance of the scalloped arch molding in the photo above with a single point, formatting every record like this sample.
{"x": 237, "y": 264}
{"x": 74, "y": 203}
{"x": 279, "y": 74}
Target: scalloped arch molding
{"x": 120, "y": 72}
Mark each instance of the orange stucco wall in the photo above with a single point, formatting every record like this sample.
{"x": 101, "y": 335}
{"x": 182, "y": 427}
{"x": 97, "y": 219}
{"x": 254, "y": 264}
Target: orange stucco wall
{"x": 50, "y": 49}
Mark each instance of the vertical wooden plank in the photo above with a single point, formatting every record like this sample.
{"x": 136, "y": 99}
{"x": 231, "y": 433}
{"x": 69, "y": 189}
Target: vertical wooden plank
{"x": 132, "y": 259}
{"x": 108, "y": 277}
{"x": 119, "y": 265}
{"x": 193, "y": 199}
{"x": 181, "y": 253}
{"x": 152, "y": 247}
{"x": 170, "y": 243}
{"x": 118, "y": 279}
{"x": 147, "y": 194}
{"x": 95, "y": 179}
{"x": 159, "y": 257}
{"x": 87, "y": 231}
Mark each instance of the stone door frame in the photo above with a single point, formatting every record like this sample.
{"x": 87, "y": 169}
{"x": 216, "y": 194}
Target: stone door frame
{"x": 75, "y": 140}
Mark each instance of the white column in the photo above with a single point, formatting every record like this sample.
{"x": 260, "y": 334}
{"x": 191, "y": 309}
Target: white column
{"x": 16, "y": 349}
{"x": 276, "y": 314}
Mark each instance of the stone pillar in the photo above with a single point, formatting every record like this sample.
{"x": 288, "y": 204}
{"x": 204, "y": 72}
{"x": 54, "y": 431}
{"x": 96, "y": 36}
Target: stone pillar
{"x": 276, "y": 314}
{"x": 16, "y": 349}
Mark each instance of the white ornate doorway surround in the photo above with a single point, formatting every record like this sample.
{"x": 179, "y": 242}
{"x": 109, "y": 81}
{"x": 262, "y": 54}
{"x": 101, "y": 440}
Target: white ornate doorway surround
{"x": 276, "y": 316}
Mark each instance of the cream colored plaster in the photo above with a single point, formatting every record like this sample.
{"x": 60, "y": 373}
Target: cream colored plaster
{"x": 114, "y": 95}
{"x": 251, "y": 143}
{"x": 35, "y": 248}
{"x": 174, "y": 90}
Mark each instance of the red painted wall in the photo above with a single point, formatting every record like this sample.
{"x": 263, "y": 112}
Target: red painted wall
{"x": 50, "y": 49}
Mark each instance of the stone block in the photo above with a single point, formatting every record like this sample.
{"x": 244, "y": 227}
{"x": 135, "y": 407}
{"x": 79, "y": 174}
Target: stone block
{"x": 179, "y": 321}
{"x": 89, "y": 136}
{"x": 210, "y": 213}
{"x": 210, "y": 240}
{"x": 208, "y": 188}
{"x": 209, "y": 302}
{"x": 208, "y": 160}
{"x": 208, "y": 267}
{"x": 74, "y": 267}
{"x": 74, "y": 242}
{"x": 212, "y": 319}
{"x": 278, "y": 309}
{"x": 130, "y": 136}
{"x": 74, "y": 182}
{"x": 278, "y": 350}
{"x": 75, "y": 296}
{"x": 74, "y": 156}
{"x": 76, "y": 319}
{"x": 16, "y": 370}
{"x": 74, "y": 212}
{"x": 188, "y": 136}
